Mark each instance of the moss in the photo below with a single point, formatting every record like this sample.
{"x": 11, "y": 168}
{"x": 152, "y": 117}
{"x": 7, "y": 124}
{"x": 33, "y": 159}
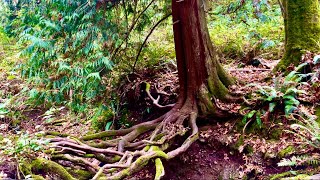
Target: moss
{"x": 81, "y": 174}
{"x": 205, "y": 103}
{"x": 143, "y": 129}
{"x": 285, "y": 152}
{"x": 225, "y": 78}
{"x": 116, "y": 158}
{"x": 15, "y": 122}
{"x": 217, "y": 88}
{"x": 289, "y": 175}
{"x": 37, "y": 177}
{"x": 239, "y": 143}
{"x": 146, "y": 148}
{"x": 279, "y": 176}
{"x": 159, "y": 169}
{"x": 301, "y": 176}
{"x": 54, "y": 133}
{"x": 318, "y": 114}
{"x": 159, "y": 152}
{"x": 302, "y": 29}
{"x": 275, "y": 134}
{"x": 249, "y": 149}
{"x": 25, "y": 167}
{"x": 99, "y": 135}
{"x": 41, "y": 164}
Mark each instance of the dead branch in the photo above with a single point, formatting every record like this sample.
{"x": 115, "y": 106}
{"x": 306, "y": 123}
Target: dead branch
{"x": 156, "y": 101}
{"x": 86, "y": 148}
{"x": 77, "y": 160}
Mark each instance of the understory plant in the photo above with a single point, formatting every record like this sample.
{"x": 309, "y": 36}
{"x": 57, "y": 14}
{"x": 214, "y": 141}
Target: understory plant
{"x": 282, "y": 98}
{"x": 72, "y": 46}
{"x": 308, "y": 130}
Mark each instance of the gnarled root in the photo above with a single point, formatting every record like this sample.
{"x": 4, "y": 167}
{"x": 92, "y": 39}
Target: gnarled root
{"x": 132, "y": 148}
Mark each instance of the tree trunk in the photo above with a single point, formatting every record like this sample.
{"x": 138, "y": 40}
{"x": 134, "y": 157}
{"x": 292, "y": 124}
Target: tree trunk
{"x": 302, "y": 30}
{"x": 201, "y": 76}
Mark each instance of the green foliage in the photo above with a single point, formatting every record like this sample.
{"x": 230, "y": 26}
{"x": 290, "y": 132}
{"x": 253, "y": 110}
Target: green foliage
{"x": 22, "y": 145}
{"x": 300, "y": 161}
{"x": 8, "y": 51}
{"x": 307, "y": 129}
{"x": 238, "y": 27}
{"x": 73, "y": 45}
{"x": 3, "y": 110}
{"x": 280, "y": 98}
{"x": 103, "y": 118}
{"x": 66, "y": 58}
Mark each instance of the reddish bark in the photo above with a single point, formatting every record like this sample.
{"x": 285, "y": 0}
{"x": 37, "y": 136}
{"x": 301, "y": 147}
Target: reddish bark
{"x": 196, "y": 57}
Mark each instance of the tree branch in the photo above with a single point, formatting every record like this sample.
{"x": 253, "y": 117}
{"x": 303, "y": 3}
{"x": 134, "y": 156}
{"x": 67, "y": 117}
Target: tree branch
{"x": 146, "y": 39}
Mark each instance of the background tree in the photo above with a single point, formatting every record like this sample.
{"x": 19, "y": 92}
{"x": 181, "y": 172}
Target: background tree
{"x": 302, "y": 30}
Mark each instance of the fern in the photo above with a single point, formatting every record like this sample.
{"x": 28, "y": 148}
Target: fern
{"x": 301, "y": 160}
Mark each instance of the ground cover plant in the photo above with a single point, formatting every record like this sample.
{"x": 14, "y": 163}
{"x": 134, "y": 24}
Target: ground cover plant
{"x": 134, "y": 89}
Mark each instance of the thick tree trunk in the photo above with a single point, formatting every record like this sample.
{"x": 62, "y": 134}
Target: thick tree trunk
{"x": 302, "y": 30}
{"x": 201, "y": 76}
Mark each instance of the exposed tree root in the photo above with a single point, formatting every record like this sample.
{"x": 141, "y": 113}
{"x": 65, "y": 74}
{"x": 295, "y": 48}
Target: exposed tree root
{"x": 45, "y": 166}
{"x": 136, "y": 146}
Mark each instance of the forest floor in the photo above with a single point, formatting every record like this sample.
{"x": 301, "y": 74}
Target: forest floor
{"x": 225, "y": 150}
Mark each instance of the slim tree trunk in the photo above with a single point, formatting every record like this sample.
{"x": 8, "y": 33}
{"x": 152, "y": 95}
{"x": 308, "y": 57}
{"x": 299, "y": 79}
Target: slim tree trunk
{"x": 302, "y": 30}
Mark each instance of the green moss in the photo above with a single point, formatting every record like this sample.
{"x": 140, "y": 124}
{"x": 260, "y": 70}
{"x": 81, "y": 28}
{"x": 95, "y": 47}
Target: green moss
{"x": 37, "y": 177}
{"x": 205, "y": 103}
{"x": 101, "y": 118}
{"x": 247, "y": 149}
{"x": 41, "y": 164}
{"x": 15, "y": 122}
{"x": 289, "y": 175}
{"x": 318, "y": 114}
{"x": 225, "y": 78}
{"x": 275, "y": 134}
{"x": 99, "y": 135}
{"x": 279, "y": 176}
{"x": 80, "y": 174}
{"x": 217, "y": 88}
{"x": 159, "y": 152}
{"x": 116, "y": 158}
{"x": 301, "y": 176}
{"x": 54, "y": 133}
{"x": 143, "y": 129}
{"x": 239, "y": 143}
{"x": 146, "y": 148}
{"x": 302, "y": 29}
{"x": 285, "y": 152}
{"x": 25, "y": 167}
{"x": 159, "y": 169}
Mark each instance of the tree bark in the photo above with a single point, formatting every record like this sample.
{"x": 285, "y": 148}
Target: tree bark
{"x": 201, "y": 76}
{"x": 302, "y": 30}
